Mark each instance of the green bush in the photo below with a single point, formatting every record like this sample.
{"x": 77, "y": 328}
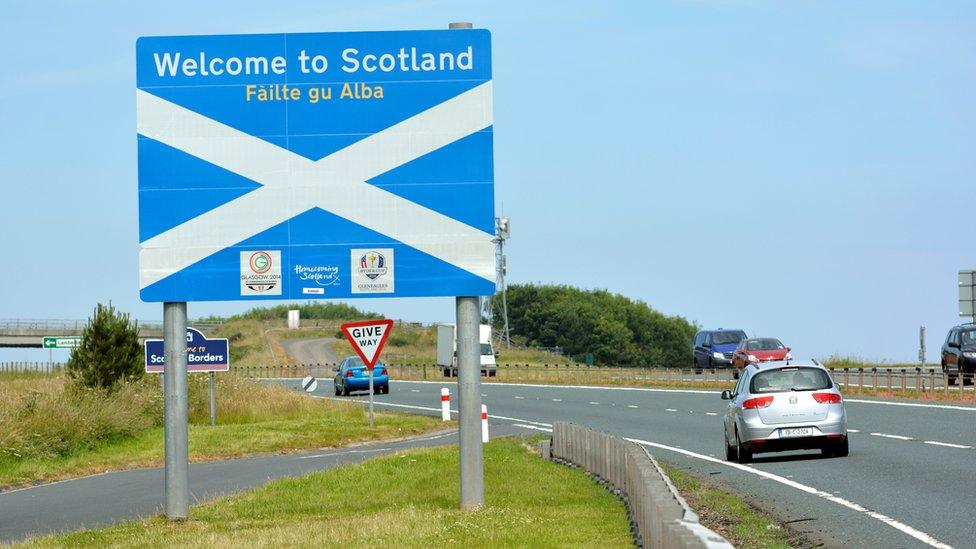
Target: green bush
{"x": 615, "y": 329}
{"x": 110, "y": 351}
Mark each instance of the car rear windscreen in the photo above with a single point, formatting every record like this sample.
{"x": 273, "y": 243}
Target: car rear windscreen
{"x": 790, "y": 379}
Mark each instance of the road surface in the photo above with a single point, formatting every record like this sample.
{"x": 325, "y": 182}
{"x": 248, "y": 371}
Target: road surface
{"x": 910, "y": 479}
{"x": 311, "y": 351}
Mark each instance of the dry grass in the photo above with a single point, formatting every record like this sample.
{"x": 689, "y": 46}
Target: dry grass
{"x": 51, "y": 429}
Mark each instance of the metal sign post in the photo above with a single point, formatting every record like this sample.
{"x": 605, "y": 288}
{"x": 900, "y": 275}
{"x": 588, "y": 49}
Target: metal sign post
{"x": 469, "y": 403}
{"x": 367, "y": 338}
{"x": 371, "y": 425}
{"x": 176, "y": 411}
{"x": 213, "y": 399}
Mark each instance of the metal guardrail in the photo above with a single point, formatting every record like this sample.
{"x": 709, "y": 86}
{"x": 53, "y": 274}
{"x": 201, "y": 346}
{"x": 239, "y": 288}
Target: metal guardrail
{"x": 907, "y": 379}
{"x": 54, "y": 325}
{"x": 661, "y": 516}
{"x": 36, "y": 367}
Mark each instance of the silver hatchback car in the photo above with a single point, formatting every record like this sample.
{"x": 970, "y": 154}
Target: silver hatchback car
{"x": 785, "y": 405}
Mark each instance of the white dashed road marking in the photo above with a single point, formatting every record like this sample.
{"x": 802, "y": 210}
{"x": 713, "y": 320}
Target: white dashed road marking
{"x": 670, "y": 410}
{"x": 948, "y": 444}
{"x": 557, "y": 400}
{"x": 594, "y": 403}
{"x": 896, "y": 437}
{"x": 710, "y": 414}
{"x": 853, "y": 431}
{"x": 520, "y": 398}
{"x": 414, "y": 390}
{"x": 631, "y": 406}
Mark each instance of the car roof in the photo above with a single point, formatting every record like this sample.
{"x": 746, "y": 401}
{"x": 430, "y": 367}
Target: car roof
{"x": 776, "y": 364}
{"x": 721, "y": 330}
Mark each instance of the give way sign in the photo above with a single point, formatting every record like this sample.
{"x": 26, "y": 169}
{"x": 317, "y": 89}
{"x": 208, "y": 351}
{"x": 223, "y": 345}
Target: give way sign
{"x": 367, "y": 338}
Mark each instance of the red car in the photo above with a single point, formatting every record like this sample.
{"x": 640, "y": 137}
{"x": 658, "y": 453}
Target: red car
{"x": 758, "y": 349}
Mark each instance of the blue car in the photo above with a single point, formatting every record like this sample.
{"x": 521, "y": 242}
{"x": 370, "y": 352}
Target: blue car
{"x": 352, "y": 375}
{"x": 714, "y": 348}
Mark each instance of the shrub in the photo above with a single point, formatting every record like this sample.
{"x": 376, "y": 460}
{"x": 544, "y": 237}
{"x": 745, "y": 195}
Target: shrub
{"x": 109, "y": 352}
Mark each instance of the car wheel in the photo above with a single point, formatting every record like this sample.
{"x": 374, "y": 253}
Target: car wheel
{"x": 838, "y": 450}
{"x": 345, "y": 390}
{"x": 337, "y": 391}
{"x": 730, "y": 451}
{"x": 735, "y": 374}
{"x": 743, "y": 455}
{"x": 386, "y": 389}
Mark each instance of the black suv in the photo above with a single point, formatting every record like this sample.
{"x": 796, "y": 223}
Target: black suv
{"x": 959, "y": 353}
{"x": 714, "y": 348}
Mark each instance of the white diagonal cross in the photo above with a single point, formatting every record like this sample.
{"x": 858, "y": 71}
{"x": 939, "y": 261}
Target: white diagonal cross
{"x": 293, "y": 184}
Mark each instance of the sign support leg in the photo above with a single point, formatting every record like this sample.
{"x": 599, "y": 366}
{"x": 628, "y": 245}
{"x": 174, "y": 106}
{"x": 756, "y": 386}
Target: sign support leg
{"x": 176, "y": 411}
{"x": 213, "y": 399}
{"x": 371, "y": 398}
{"x": 469, "y": 403}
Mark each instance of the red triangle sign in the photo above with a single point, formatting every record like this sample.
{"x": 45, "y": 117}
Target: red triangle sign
{"x": 367, "y": 338}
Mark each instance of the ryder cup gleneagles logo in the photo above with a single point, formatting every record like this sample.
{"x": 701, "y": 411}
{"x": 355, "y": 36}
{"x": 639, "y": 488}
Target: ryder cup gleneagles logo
{"x": 372, "y": 265}
{"x": 261, "y": 272}
{"x": 372, "y": 271}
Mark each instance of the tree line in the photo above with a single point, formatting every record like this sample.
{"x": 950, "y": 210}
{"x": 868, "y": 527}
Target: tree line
{"x": 614, "y": 329}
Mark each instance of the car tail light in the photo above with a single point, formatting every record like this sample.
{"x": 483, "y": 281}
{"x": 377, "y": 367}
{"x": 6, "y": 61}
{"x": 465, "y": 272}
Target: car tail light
{"x": 758, "y": 402}
{"x": 381, "y": 372}
{"x": 348, "y": 373}
{"x": 827, "y": 398}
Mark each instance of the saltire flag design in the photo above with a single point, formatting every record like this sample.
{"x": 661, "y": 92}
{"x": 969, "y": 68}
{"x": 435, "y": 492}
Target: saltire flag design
{"x": 315, "y": 185}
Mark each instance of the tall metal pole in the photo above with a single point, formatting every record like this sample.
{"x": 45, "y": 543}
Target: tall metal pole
{"x": 504, "y": 266}
{"x": 469, "y": 392}
{"x": 213, "y": 399}
{"x": 175, "y": 405}
{"x": 469, "y": 404}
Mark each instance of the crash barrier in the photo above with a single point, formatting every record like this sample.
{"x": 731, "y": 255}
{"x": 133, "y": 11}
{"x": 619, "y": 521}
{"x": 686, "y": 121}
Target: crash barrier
{"x": 659, "y": 515}
{"x": 909, "y": 379}
{"x": 38, "y": 367}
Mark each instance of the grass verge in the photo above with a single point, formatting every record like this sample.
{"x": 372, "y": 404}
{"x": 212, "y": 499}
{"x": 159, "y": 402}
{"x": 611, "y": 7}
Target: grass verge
{"x": 742, "y": 525}
{"x": 409, "y": 500}
{"x": 50, "y": 429}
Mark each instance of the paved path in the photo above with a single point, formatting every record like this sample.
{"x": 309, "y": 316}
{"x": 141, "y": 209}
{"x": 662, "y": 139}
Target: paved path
{"x": 910, "y": 479}
{"x": 126, "y": 495}
{"x": 311, "y": 351}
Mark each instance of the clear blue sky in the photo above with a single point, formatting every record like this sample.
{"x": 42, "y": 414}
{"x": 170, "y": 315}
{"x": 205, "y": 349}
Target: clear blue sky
{"x": 797, "y": 169}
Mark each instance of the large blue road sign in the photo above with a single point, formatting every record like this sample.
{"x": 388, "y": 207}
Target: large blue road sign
{"x": 328, "y": 165}
{"x": 202, "y": 354}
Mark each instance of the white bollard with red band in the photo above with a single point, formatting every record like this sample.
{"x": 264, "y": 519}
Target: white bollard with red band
{"x": 484, "y": 423}
{"x": 445, "y": 404}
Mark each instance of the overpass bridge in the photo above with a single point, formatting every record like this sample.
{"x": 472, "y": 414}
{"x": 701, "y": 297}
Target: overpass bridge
{"x": 16, "y": 332}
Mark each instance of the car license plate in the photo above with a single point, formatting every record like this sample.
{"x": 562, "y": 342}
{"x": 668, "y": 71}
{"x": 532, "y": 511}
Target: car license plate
{"x": 796, "y": 432}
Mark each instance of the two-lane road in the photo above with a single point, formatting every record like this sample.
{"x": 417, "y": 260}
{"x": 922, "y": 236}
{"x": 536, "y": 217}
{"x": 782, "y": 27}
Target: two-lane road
{"x": 910, "y": 479}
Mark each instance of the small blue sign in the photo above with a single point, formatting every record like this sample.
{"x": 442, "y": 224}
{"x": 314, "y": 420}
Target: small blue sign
{"x": 202, "y": 354}
{"x": 324, "y": 165}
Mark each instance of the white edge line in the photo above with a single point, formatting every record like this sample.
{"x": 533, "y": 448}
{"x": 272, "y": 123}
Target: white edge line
{"x": 902, "y": 527}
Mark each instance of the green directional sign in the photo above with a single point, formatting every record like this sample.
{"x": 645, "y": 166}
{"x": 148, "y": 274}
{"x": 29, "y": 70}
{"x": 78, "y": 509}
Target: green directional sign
{"x": 61, "y": 342}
